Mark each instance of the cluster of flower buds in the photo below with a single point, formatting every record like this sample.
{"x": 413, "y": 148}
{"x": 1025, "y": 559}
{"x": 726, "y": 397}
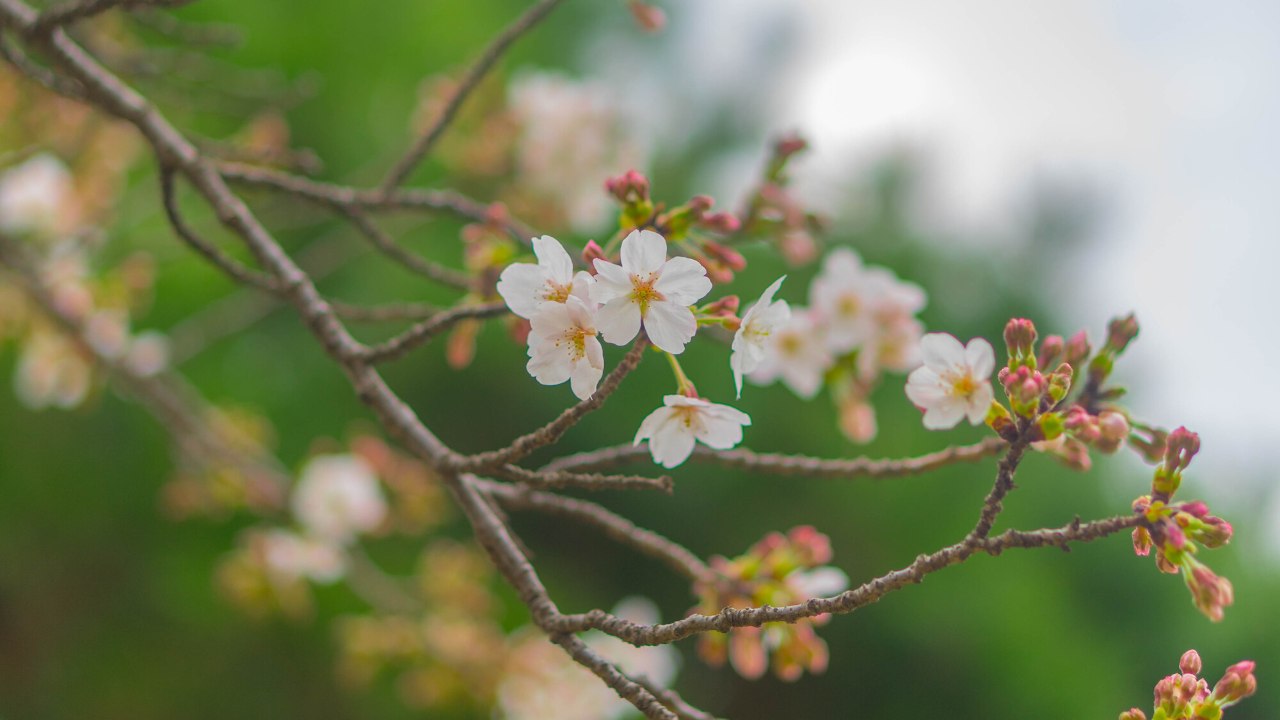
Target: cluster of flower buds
{"x": 1034, "y": 396}
{"x": 1186, "y": 695}
{"x": 631, "y": 190}
{"x": 1178, "y": 530}
{"x": 1120, "y": 332}
{"x": 778, "y": 570}
{"x": 775, "y": 212}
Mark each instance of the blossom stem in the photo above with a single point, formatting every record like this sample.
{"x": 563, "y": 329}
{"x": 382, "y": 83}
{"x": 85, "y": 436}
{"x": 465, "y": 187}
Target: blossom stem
{"x": 684, "y": 386}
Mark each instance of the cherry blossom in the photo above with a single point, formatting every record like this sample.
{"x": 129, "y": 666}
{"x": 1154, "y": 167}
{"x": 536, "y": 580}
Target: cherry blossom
{"x": 527, "y": 287}
{"x": 51, "y": 372}
{"x": 650, "y": 289}
{"x": 750, "y": 342}
{"x": 293, "y": 556}
{"x": 563, "y": 346}
{"x": 337, "y": 498}
{"x": 672, "y": 429}
{"x": 33, "y": 195}
{"x": 798, "y": 354}
{"x": 541, "y": 682}
{"x": 842, "y": 295}
{"x": 954, "y": 382}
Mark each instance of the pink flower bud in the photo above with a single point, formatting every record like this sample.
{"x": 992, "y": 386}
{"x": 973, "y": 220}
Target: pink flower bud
{"x": 1210, "y": 592}
{"x": 1214, "y": 532}
{"x": 699, "y": 204}
{"x": 1120, "y": 332}
{"x": 1113, "y": 429}
{"x": 591, "y": 253}
{"x": 725, "y": 306}
{"x": 1236, "y": 684}
{"x": 629, "y": 187}
{"x": 857, "y": 418}
{"x": 789, "y": 145}
{"x": 1190, "y": 662}
{"x": 1141, "y": 542}
{"x": 1181, "y": 446}
{"x": 722, "y": 223}
{"x": 747, "y": 653}
{"x": 1133, "y": 714}
{"x": 811, "y": 547}
{"x": 1020, "y": 337}
{"x": 1077, "y": 349}
{"x": 1195, "y": 509}
{"x": 649, "y": 18}
{"x": 1051, "y": 351}
{"x": 730, "y": 257}
{"x": 716, "y": 270}
{"x": 798, "y": 247}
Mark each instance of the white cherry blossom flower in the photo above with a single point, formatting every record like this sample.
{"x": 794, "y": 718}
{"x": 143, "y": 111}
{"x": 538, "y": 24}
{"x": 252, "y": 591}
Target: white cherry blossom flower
{"x": 293, "y": 556}
{"x": 651, "y": 290}
{"x": 842, "y": 294}
{"x": 955, "y": 381}
{"x": 34, "y": 194}
{"x": 672, "y": 429}
{"x": 563, "y": 346}
{"x": 750, "y": 342}
{"x": 824, "y": 581}
{"x": 541, "y": 682}
{"x": 797, "y": 354}
{"x": 337, "y": 498}
{"x": 527, "y": 287}
{"x": 52, "y": 372}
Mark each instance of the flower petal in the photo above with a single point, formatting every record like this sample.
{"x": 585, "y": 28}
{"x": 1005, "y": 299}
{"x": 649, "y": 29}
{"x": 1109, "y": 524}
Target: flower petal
{"x": 980, "y": 358}
{"x": 669, "y": 326}
{"x": 522, "y": 286}
{"x": 618, "y": 321}
{"x": 944, "y": 415}
{"x": 980, "y": 403}
{"x": 672, "y": 442}
{"x": 683, "y": 281}
{"x": 941, "y": 351}
{"x": 552, "y": 256}
{"x": 585, "y": 377}
{"x": 643, "y": 252}
{"x": 611, "y": 281}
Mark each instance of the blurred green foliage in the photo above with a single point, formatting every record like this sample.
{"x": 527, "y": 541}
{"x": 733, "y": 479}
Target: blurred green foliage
{"x": 108, "y": 610}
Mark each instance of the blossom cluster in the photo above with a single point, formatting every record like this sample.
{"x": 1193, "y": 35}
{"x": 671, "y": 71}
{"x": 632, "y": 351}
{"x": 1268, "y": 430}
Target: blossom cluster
{"x": 778, "y": 570}
{"x": 1186, "y": 695}
{"x": 40, "y": 205}
{"x": 541, "y": 682}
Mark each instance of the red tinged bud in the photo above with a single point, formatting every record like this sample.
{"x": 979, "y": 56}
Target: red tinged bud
{"x": 1190, "y": 662}
{"x": 630, "y": 187}
{"x": 1077, "y": 349}
{"x": 722, "y": 223}
{"x": 591, "y": 253}
{"x": 1180, "y": 447}
{"x": 1051, "y": 351}
{"x": 1020, "y": 337}
{"x": 1141, "y": 542}
{"x": 649, "y": 18}
{"x": 1120, "y": 332}
{"x": 727, "y": 256}
{"x": 1236, "y": 684}
{"x": 789, "y": 145}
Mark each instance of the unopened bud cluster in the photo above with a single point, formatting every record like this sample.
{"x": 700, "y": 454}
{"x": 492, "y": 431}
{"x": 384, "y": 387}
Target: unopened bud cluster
{"x": 778, "y": 570}
{"x": 1178, "y": 530}
{"x": 1186, "y": 695}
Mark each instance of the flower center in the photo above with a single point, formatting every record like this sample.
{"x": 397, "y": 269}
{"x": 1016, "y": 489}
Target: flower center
{"x": 963, "y": 386}
{"x": 790, "y": 344}
{"x": 848, "y": 305}
{"x": 643, "y": 292}
{"x": 556, "y": 292}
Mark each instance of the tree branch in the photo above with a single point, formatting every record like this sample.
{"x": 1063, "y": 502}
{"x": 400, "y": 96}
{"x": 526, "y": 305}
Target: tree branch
{"x": 554, "y": 430}
{"x": 775, "y": 464}
{"x": 424, "y": 330}
{"x": 474, "y": 75}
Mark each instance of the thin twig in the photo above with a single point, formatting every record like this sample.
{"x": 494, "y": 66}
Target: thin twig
{"x": 554, "y": 430}
{"x": 337, "y": 196}
{"x": 610, "y": 524}
{"x": 627, "y": 689}
{"x": 415, "y": 263}
{"x": 423, "y": 331}
{"x": 775, "y": 464}
{"x": 673, "y": 701}
{"x": 584, "y": 481}
{"x": 474, "y": 75}
{"x": 80, "y": 9}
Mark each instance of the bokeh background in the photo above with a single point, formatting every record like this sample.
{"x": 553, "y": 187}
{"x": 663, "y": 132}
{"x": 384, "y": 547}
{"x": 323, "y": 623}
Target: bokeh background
{"x": 1063, "y": 161}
